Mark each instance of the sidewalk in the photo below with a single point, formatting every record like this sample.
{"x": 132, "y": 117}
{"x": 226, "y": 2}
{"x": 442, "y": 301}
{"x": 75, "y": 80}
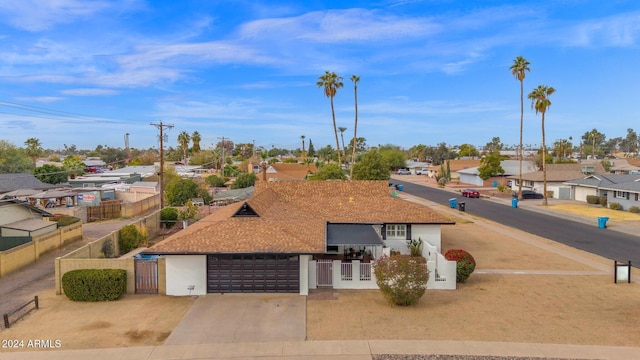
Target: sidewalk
{"x": 356, "y": 349}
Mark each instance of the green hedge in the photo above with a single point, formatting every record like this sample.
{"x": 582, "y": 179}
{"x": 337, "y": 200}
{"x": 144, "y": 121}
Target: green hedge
{"x": 94, "y": 284}
{"x": 64, "y": 220}
{"x": 130, "y": 238}
{"x": 169, "y": 216}
{"x": 593, "y": 199}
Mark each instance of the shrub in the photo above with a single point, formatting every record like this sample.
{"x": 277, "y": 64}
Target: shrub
{"x": 402, "y": 279}
{"x": 634, "y": 209}
{"x": 465, "y": 263}
{"x": 94, "y": 284}
{"x": 130, "y": 238}
{"x": 108, "y": 249}
{"x": 593, "y": 199}
{"x": 64, "y": 220}
{"x": 603, "y": 201}
{"x": 215, "y": 181}
{"x": 615, "y": 206}
{"x": 415, "y": 247}
{"x": 168, "y": 217}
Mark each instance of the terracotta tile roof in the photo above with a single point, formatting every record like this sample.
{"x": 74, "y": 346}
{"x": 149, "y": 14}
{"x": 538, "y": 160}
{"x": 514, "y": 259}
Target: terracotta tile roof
{"x": 293, "y": 217}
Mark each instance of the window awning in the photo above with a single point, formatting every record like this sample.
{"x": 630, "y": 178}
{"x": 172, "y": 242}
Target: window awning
{"x": 352, "y": 234}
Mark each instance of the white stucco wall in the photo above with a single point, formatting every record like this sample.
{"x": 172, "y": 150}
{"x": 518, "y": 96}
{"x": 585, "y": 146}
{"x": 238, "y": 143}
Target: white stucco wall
{"x": 429, "y": 234}
{"x": 184, "y": 271}
{"x": 11, "y": 213}
{"x": 304, "y": 274}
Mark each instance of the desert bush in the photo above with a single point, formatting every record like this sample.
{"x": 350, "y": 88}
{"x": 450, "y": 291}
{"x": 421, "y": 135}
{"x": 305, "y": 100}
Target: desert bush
{"x": 593, "y": 199}
{"x": 415, "y": 247}
{"x": 130, "y": 238}
{"x": 634, "y": 209}
{"x": 94, "y": 284}
{"x": 603, "y": 201}
{"x": 402, "y": 279}
{"x": 465, "y": 263}
{"x": 615, "y": 206}
{"x": 107, "y": 249}
{"x": 64, "y": 220}
{"x": 168, "y": 217}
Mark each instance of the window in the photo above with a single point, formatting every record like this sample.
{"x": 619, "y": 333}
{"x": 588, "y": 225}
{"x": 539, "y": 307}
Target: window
{"x": 396, "y": 231}
{"x": 620, "y": 195}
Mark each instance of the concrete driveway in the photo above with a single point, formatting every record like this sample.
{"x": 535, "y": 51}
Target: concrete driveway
{"x": 237, "y": 318}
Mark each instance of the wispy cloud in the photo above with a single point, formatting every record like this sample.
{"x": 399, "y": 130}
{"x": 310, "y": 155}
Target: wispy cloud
{"x": 40, "y": 99}
{"x": 89, "y": 92}
{"x": 34, "y": 15}
{"x": 619, "y": 31}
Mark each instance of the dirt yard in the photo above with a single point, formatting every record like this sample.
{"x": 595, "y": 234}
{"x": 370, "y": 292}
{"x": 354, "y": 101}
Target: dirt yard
{"x": 525, "y": 289}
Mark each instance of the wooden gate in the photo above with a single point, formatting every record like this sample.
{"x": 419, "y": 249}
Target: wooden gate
{"x": 146, "y": 276}
{"x": 106, "y": 210}
{"x": 324, "y": 273}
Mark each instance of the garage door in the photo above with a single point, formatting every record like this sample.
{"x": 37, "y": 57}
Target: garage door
{"x": 251, "y": 273}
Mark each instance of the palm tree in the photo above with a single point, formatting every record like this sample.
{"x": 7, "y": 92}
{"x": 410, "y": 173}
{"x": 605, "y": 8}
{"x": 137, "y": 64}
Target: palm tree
{"x": 356, "y": 80}
{"x": 183, "y": 140}
{"x": 540, "y": 102}
{"x": 331, "y": 82}
{"x": 518, "y": 69}
{"x": 196, "y": 138}
{"x": 34, "y": 149}
{"x": 342, "y": 130}
{"x": 302, "y": 137}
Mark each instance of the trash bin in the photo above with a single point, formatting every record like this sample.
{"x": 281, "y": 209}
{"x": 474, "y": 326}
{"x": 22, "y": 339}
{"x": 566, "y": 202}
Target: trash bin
{"x": 514, "y": 203}
{"x": 461, "y": 206}
{"x": 602, "y": 222}
{"x": 495, "y": 184}
{"x": 453, "y": 203}
{"x": 399, "y": 187}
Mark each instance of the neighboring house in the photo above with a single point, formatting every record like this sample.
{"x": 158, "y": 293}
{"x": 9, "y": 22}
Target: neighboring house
{"x": 12, "y": 182}
{"x": 296, "y": 235}
{"x": 19, "y": 222}
{"x": 510, "y": 167}
{"x": 288, "y": 171}
{"x": 622, "y": 167}
{"x": 623, "y": 189}
{"x": 148, "y": 187}
{"x": 456, "y": 167}
{"x": 225, "y": 197}
{"x": 418, "y": 167}
{"x": 557, "y": 176}
{"x": 94, "y": 165}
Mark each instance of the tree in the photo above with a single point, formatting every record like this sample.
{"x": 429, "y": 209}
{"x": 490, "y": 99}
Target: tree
{"x": 394, "y": 156}
{"x": 373, "y": 166}
{"x": 244, "y": 180}
{"x": 490, "y": 166}
{"x": 595, "y": 139}
{"x": 50, "y": 174}
{"x": 33, "y": 149}
{"x": 518, "y": 69}
{"x": 179, "y": 190}
{"x": 331, "y": 82}
{"x": 402, "y": 279}
{"x": 196, "y": 138}
{"x": 342, "y": 130}
{"x": 494, "y": 145}
{"x": 540, "y": 102}
{"x": 467, "y": 150}
{"x": 13, "y": 160}
{"x": 214, "y": 181}
{"x": 302, "y": 138}
{"x": 326, "y": 153}
{"x": 183, "y": 140}
{"x": 331, "y": 171}
{"x": 74, "y": 166}
{"x": 630, "y": 143}
{"x": 312, "y": 150}
{"x": 562, "y": 146}
{"x": 356, "y": 80}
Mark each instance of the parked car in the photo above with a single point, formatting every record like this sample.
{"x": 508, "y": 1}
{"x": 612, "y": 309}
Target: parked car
{"x": 403, "y": 172}
{"x": 529, "y": 194}
{"x": 470, "y": 193}
{"x": 423, "y": 171}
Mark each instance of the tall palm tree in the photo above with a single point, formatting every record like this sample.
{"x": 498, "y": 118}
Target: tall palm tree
{"x": 183, "y": 140}
{"x": 518, "y": 69}
{"x": 540, "y": 102}
{"x": 196, "y": 138}
{"x": 331, "y": 82}
{"x": 342, "y": 130}
{"x": 34, "y": 149}
{"x": 356, "y": 80}
{"x": 302, "y": 137}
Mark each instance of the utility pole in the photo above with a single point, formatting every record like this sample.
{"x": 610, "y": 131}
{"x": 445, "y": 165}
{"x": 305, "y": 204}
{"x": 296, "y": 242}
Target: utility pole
{"x": 223, "y": 161}
{"x": 161, "y": 127}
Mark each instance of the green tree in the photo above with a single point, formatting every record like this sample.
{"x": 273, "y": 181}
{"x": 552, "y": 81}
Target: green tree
{"x": 342, "y": 129}
{"x": 50, "y": 174}
{"x": 595, "y": 139}
{"x": 355, "y": 79}
{"x": 183, "y": 139}
{"x": 244, "y": 180}
{"x": 393, "y": 155}
{"x": 329, "y": 172}
{"x": 74, "y": 166}
{"x": 188, "y": 211}
{"x": 326, "y": 153}
{"x": 205, "y": 158}
{"x": 540, "y": 102}
{"x": 467, "y": 150}
{"x": 518, "y": 69}
{"x": 331, "y": 82}
{"x": 34, "y": 149}
{"x": 196, "y": 138}
{"x": 214, "y": 181}
{"x": 179, "y": 190}
{"x": 630, "y": 143}
{"x": 490, "y": 166}
{"x": 372, "y": 166}
{"x": 312, "y": 150}
{"x": 494, "y": 145}
{"x": 13, "y": 160}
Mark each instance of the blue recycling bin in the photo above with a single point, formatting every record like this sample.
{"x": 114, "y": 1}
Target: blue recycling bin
{"x": 453, "y": 203}
{"x": 514, "y": 202}
{"x": 399, "y": 187}
{"x": 602, "y": 222}
{"x": 495, "y": 184}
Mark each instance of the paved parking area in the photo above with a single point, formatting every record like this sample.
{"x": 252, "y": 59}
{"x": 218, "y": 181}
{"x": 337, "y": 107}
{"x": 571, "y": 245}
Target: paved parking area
{"x": 238, "y": 318}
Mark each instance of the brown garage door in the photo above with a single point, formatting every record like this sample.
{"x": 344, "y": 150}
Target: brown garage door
{"x": 253, "y": 273}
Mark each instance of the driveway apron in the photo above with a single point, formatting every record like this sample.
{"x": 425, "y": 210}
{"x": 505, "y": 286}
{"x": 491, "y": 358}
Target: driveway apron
{"x": 237, "y": 318}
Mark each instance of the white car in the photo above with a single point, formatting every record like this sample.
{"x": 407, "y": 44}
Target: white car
{"x": 403, "y": 172}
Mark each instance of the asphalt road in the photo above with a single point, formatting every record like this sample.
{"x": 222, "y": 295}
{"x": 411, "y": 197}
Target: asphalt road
{"x": 588, "y": 237}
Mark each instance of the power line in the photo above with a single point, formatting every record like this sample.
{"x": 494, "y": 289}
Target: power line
{"x": 60, "y": 115}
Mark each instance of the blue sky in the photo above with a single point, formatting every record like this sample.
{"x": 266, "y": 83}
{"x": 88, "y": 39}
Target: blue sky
{"x": 87, "y": 72}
